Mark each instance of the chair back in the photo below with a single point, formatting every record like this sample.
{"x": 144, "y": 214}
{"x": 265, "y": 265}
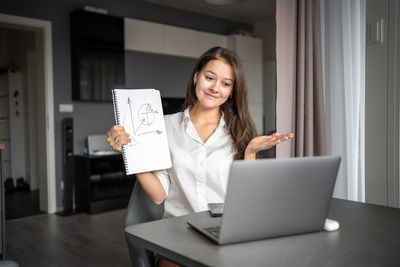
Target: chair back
{"x": 141, "y": 209}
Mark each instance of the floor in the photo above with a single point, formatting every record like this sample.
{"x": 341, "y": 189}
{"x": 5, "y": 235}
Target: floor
{"x": 20, "y": 204}
{"x": 76, "y": 240}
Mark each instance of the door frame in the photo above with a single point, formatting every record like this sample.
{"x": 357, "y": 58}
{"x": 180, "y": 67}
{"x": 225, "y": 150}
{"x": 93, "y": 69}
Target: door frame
{"x": 45, "y": 27}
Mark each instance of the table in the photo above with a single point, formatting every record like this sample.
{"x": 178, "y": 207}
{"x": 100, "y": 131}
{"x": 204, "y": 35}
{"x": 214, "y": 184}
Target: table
{"x": 369, "y": 235}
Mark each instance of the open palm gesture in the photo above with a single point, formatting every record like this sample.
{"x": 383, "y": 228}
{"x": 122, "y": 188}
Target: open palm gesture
{"x": 264, "y": 142}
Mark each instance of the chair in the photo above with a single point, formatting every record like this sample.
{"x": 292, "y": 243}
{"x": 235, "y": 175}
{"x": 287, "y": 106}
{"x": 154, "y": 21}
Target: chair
{"x": 141, "y": 209}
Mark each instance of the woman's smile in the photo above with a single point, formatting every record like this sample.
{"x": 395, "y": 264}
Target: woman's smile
{"x": 210, "y": 95}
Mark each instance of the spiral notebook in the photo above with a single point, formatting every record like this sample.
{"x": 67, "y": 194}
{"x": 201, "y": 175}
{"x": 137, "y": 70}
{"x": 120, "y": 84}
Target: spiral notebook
{"x": 140, "y": 112}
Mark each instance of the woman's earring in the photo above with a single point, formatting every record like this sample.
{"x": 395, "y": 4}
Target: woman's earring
{"x": 230, "y": 96}
{"x": 194, "y": 83}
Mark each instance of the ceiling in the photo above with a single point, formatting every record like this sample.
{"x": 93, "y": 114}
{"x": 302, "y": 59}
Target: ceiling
{"x": 251, "y": 11}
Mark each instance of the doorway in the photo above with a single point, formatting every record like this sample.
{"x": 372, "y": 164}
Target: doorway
{"x": 26, "y": 64}
{"x": 21, "y": 83}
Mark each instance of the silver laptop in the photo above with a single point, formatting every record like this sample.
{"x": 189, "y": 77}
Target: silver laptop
{"x": 273, "y": 197}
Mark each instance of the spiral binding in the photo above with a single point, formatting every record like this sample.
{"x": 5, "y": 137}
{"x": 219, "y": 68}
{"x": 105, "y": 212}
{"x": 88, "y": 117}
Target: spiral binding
{"x": 118, "y": 120}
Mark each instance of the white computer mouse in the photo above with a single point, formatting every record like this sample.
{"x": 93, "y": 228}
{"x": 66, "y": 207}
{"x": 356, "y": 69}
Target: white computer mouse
{"x": 331, "y": 225}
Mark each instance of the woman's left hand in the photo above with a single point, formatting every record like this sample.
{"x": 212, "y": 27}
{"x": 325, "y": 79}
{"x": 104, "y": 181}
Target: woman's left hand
{"x": 264, "y": 142}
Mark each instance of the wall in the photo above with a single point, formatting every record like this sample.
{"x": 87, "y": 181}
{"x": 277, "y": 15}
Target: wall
{"x": 269, "y": 84}
{"x": 3, "y": 48}
{"x": 266, "y": 30}
{"x": 376, "y": 109}
{"x": 382, "y": 181}
{"x": 269, "y": 101}
{"x": 96, "y": 118}
{"x": 393, "y": 104}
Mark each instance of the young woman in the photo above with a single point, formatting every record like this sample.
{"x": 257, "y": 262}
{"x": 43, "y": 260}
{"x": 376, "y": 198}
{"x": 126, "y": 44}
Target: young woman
{"x": 213, "y": 129}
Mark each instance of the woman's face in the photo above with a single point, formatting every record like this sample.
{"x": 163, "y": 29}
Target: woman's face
{"x": 214, "y": 83}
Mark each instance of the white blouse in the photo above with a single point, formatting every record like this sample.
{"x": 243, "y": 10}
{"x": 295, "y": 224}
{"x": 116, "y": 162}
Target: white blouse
{"x": 199, "y": 173}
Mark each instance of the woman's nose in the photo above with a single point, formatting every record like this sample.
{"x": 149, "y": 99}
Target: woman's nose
{"x": 214, "y": 88}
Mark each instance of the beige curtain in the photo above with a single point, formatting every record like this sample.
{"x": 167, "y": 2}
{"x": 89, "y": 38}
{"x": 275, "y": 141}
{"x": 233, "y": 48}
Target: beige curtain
{"x": 299, "y": 106}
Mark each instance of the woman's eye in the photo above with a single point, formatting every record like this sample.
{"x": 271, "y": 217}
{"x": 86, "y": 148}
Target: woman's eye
{"x": 227, "y": 84}
{"x": 209, "y": 78}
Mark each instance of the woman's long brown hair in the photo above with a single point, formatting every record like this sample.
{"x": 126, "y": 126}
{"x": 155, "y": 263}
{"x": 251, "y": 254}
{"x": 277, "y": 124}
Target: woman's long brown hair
{"x": 236, "y": 111}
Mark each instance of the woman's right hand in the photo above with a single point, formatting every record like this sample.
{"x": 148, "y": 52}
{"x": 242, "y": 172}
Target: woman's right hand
{"x": 116, "y": 137}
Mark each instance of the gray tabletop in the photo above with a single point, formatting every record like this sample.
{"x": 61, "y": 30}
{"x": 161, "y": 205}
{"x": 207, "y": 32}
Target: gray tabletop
{"x": 369, "y": 235}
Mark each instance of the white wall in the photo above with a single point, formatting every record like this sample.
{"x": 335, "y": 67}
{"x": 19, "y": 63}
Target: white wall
{"x": 382, "y": 100}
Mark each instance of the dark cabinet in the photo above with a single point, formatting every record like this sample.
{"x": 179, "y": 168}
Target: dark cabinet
{"x": 101, "y": 183}
{"x": 97, "y": 55}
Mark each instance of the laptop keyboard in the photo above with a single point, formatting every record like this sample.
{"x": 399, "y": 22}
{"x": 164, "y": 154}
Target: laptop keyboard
{"x": 214, "y": 231}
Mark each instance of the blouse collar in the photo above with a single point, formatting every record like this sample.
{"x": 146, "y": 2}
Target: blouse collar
{"x": 186, "y": 118}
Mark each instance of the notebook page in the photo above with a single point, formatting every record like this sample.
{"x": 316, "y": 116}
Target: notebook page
{"x": 140, "y": 112}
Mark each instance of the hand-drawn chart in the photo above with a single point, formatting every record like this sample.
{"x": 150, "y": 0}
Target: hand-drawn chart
{"x": 141, "y": 120}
